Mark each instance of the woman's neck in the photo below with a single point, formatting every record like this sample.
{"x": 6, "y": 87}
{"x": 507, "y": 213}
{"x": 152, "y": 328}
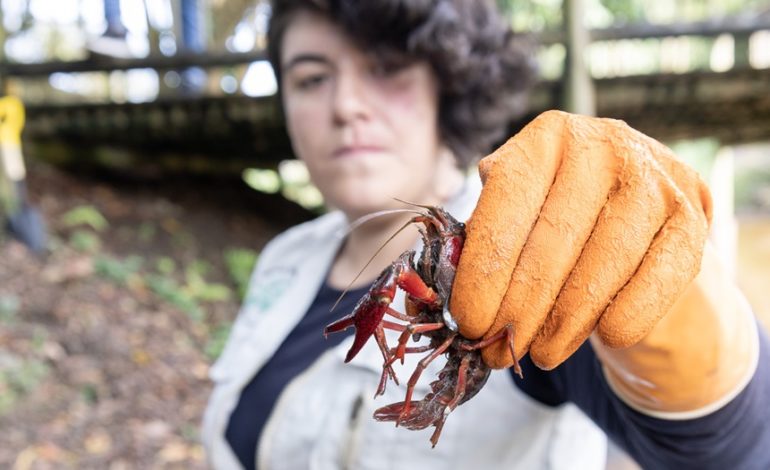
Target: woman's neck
{"x": 363, "y": 242}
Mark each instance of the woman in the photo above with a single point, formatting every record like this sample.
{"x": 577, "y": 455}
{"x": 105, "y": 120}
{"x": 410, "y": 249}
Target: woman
{"x": 386, "y": 99}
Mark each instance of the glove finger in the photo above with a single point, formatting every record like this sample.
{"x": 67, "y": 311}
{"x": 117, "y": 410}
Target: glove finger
{"x": 623, "y": 233}
{"x": 671, "y": 263}
{"x": 516, "y": 179}
{"x": 686, "y": 178}
{"x": 580, "y": 190}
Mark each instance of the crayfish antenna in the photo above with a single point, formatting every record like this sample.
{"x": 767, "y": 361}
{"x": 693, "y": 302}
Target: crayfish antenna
{"x": 408, "y": 203}
{"x": 373, "y": 215}
{"x": 356, "y": 223}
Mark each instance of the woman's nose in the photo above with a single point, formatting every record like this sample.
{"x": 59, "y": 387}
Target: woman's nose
{"x": 350, "y": 98}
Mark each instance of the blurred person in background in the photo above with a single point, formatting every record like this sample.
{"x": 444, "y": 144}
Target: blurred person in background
{"x": 112, "y": 42}
{"x": 600, "y": 228}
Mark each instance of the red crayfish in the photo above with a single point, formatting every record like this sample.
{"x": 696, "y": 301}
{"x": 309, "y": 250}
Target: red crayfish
{"x": 427, "y": 281}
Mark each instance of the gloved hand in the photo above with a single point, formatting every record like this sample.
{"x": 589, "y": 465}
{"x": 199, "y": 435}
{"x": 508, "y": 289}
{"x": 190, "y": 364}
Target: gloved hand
{"x": 699, "y": 355}
{"x": 583, "y": 225}
{"x": 587, "y": 227}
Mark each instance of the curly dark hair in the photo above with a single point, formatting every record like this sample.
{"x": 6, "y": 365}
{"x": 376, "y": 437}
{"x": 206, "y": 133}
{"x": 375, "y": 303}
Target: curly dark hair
{"x": 485, "y": 72}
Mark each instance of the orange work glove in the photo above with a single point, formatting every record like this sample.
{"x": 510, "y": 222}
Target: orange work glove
{"x": 699, "y": 355}
{"x": 586, "y": 225}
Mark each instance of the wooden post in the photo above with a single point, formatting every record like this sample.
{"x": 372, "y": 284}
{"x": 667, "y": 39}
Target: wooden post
{"x": 741, "y": 50}
{"x": 579, "y": 96}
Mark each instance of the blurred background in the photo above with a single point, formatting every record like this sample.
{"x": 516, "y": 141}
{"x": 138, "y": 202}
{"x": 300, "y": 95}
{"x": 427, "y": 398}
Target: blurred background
{"x": 145, "y": 164}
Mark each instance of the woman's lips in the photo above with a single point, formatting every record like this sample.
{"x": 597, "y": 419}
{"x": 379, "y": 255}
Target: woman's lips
{"x": 352, "y": 151}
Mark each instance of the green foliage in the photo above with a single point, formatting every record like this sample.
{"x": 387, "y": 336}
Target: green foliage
{"x": 89, "y": 393}
{"x": 190, "y": 432}
{"x": 146, "y": 231}
{"x": 169, "y": 290}
{"x": 625, "y": 11}
{"x": 188, "y": 296}
{"x": 117, "y": 270}
{"x": 264, "y": 180}
{"x": 165, "y": 265}
{"x": 85, "y": 215}
{"x": 18, "y": 379}
{"x": 182, "y": 239}
{"x": 9, "y": 308}
{"x": 240, "y": 262}
{"x": 533, "y": 15}
{"x": 39, "y": 338}
{"x": 750, "y": 186}
{"x": 547, "y": 15}
{"x": 86, "y": 220}
{"x": 199, "y": 289}
{"x": 217, "y": 341}
{"x": 85, "y": 241}
{"x": 292, "y": 180}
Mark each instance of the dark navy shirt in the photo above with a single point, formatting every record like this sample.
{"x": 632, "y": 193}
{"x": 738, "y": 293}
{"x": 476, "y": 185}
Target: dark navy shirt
{"x": 298, "y": 351}
{"x": 735, "y": 437}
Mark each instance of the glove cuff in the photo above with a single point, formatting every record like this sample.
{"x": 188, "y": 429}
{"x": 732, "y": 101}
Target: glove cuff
{"x": 697, "y": 359}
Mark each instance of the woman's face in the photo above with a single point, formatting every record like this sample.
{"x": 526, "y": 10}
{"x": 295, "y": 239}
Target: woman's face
{"x": 367, "y": 133}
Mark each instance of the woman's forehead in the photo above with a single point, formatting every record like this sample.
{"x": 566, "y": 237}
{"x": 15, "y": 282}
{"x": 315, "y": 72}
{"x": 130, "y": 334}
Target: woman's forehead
{"x": 314, "y": 34}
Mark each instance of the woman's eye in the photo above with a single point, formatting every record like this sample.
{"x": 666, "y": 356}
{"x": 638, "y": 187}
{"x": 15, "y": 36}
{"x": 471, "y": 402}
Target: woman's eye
{"x": 386, "y": 65}
{"x": 310, "y": 82}
{"x": 383, "y": 70}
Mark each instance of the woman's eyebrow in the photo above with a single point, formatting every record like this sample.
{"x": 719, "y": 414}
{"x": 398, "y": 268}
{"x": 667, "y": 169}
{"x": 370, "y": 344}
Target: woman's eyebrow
{"x": 303, "y": 58}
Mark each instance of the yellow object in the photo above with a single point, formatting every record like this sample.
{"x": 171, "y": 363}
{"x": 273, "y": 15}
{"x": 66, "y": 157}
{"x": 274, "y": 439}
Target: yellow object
{"x": 11, "y": 120}
{"x": 11, "y": 125}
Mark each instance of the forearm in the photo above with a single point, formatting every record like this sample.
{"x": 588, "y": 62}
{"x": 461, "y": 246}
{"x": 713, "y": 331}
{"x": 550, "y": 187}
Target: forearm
{"x": 699, "y": 356}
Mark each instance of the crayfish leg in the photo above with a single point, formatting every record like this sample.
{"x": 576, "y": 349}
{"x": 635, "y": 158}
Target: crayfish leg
{"x": 462, "y": 374}
{"x": 437, "y": 433}
{"x": 507, "y": 334}
{"x": 387, "y": 370}
{"x": 418, "y": 371}
{"x": 397, "y": 314}
{"x": 410, "y": 330}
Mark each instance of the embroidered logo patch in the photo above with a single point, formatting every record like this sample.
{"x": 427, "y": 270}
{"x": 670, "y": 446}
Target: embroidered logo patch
{"x": 268, "y": 287}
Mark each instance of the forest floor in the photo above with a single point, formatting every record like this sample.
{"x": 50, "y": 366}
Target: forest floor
{"x": 105, "y": 344}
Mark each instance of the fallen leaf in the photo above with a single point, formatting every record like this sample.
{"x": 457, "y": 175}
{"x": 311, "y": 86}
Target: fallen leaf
{"x": 98, "y": 442}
